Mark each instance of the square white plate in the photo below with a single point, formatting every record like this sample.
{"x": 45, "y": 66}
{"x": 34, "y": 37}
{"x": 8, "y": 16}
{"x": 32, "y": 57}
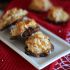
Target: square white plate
{"x": 61, "y": 48}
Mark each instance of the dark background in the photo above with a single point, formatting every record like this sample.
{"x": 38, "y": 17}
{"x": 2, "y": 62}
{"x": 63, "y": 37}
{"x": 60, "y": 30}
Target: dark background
{"x": 3, "y": 3}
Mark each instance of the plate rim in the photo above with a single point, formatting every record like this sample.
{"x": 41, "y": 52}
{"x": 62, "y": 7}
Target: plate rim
{"x": 32, "y": 62}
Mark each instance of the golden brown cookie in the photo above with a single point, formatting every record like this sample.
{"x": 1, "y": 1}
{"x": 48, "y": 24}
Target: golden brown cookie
{"x": 11, "y": 16}
{"x": 38, "y": 44}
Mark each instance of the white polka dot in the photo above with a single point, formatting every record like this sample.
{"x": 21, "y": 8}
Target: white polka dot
{"x": 59, "y": 31}
{"x": 2, "y": 60}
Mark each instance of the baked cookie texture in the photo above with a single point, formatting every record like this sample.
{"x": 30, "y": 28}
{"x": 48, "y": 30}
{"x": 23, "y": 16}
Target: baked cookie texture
{"x": 57, "y": 15}
{"x": 11, "y": 16}
{"x": 38, "y": 44}
{"x": 24, "y": 28}
{"x": 40, "y": 5}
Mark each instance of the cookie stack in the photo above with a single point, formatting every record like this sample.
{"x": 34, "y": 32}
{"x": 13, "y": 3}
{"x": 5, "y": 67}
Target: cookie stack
{"x": 22, "y": 27}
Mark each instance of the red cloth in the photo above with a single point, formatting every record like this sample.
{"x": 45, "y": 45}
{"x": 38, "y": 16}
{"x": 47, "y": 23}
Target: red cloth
{"x": 9, "y": 60}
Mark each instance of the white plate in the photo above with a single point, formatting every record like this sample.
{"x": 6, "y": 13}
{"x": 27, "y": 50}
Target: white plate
{"x": 61, "y": 48}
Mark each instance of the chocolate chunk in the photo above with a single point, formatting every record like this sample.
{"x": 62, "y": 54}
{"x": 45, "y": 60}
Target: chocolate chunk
{"x": 26, "y": 34}
{"x": 56, "y": 23}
